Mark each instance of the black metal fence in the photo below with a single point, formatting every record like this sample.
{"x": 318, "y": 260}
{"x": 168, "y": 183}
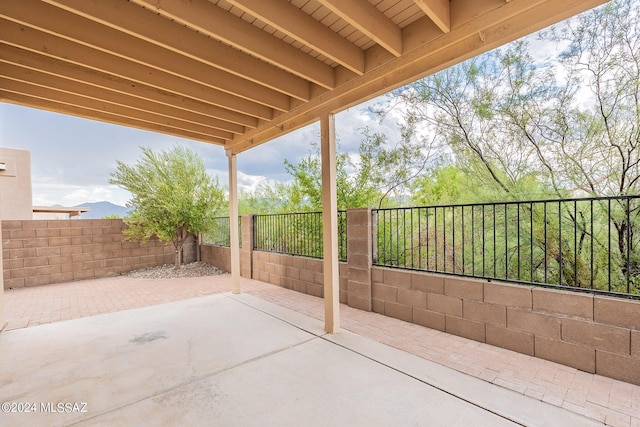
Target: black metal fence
{"x": 589, "y": 244}
{"x": 296, "y": 234}
{"x": 221, "y": 235}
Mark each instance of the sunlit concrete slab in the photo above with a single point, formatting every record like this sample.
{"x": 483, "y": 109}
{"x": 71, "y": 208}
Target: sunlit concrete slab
{"x": 237, "y": 360}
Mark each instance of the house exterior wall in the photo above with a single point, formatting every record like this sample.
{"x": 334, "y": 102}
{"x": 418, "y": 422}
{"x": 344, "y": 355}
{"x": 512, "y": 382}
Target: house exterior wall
{"x": 15, "y": 184}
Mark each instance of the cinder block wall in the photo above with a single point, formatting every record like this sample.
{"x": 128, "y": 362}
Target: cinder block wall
{"x": 40, "y": 252}
{"x": 292, "y": 272}
{"x": 592, "y": 333}
{"x": 220, "y": 256}
{"x": 298, "y": 273}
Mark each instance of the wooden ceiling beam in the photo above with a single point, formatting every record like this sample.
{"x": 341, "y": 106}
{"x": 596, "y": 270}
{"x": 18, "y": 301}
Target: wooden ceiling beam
{"x": 58, "y": 107}
{"x": 368, "y": 19}
{"x": 18, "y": 72}
{"x": 60, "y": 100}
{"x": 65, "y": 96}
{"x": 138, "y": 22}
{"x": 226, "y": 119}
{"x": 80, "y": 30}
{"x": 36, "y": 41}
{"x": 82, "y": 58}
{"x": 479, "y": 35}
{"x": 221, "y": 25}
{"x": 290, "y": 20}
{"x": 437, "y": 11}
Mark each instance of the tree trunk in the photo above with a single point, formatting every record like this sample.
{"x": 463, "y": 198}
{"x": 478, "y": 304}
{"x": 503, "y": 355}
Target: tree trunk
{"x": 178, "y": 246}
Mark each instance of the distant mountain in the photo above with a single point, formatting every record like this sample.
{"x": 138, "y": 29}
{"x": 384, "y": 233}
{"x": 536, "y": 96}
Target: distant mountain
{"x": 102, "y": 209}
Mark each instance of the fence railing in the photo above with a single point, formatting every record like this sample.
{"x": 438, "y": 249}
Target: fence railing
{"x": 221, "y": 235}
{"x": 296, "y": 234}
{"x": 589, "y": 244}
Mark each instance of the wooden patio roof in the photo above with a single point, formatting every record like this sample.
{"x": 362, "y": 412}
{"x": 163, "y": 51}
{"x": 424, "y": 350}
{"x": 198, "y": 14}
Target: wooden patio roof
{"x": 239, "y": 73}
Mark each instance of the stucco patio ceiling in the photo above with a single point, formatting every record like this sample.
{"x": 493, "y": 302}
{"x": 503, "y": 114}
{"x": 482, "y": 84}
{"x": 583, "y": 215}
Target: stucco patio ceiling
{"x": 239, "y": 73}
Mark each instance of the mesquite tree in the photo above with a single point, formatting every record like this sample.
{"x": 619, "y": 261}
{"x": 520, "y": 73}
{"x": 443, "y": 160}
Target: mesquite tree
{"x": 524, "y": 127}
{"x": 172, "y": 196}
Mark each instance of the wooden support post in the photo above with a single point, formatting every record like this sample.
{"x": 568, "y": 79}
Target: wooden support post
{"x": 330, "y": 224}
{"x": 233, "y": 223}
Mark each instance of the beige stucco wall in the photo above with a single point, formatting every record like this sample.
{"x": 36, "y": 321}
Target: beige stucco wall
{"x": 15, "y": 184}
{"x": 2, "y": 322}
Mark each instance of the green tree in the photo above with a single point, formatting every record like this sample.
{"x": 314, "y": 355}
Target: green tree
{"x": 572, "y": 122}
{"x": 380, "y": 172}
{"x": 111, "y": 216}
{"x": 491, "y": 112}
{"x": 172, "y": 196}
{"x": 598, "y": 144}
{"x": 598, "y": 140}
{"x": 523, "y": 128}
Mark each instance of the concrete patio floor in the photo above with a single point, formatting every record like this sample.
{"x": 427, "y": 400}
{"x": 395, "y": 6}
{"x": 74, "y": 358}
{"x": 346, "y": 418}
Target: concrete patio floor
{"x": 240, "y": 360}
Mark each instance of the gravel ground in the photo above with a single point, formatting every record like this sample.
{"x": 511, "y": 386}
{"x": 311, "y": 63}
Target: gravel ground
{"x": 167, "y": 271}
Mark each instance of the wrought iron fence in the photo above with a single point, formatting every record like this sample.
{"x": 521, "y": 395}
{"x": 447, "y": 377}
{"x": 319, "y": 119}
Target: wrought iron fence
{"x": 221, "y": 235}
{"x": 586, "y": 244}
{"x": 296, "y": 234}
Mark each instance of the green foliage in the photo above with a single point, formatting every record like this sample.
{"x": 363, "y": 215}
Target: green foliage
{"x": 572, "y": 243}
{"x": 601, "y": 141}
{"x": 172, "y": 195}
{"x": 112, "y": 216}
{"x": 518, "y": 128}
{"x": 272, "y": 197}
{"x": 508, "y": 126}
{"x": 380, "y": 173}
{"x": 444, "y": 184}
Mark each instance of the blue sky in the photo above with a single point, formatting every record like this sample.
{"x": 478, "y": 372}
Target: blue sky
{"x": 72, "y": 158}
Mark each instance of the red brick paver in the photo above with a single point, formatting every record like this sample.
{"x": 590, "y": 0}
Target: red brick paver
{"x": 609, "y": 401}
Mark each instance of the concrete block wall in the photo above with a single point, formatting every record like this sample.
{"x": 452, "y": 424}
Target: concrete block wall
{"x": 292, "y": 272}
{"x": 40, "y": 252}
{"x": 298, "y": 273}
{"x": 360, "y": 258}
{"x": 595, "y": 334}
{"x": 220, "y": 256}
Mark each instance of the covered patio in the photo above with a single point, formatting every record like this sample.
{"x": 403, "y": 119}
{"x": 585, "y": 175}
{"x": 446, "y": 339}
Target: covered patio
{"x": 239, "y": 73}
{"x": 228, "y": 359}
{"x": 119, "y": 332}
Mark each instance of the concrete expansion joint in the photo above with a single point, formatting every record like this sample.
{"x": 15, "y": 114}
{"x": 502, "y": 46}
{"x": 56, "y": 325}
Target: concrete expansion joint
{"x": 270, "y": 314}
{"x": 416, "y": 378}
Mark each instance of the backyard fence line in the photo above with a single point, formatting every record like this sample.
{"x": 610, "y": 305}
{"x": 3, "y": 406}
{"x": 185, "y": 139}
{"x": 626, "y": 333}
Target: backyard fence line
{"x": 296, "y": 234}
{"x": 579, "y": 244}
{"x": 221, "y": 234}
{"x": 587, "y": 244}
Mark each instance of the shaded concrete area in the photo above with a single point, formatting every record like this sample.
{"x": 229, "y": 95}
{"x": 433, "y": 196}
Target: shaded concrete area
{"x": 239, "y": 360}
{"x": 609, "y": 401}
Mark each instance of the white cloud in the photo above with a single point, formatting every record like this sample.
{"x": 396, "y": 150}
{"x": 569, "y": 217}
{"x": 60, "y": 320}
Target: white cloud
{"x": 49, "y": 194}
